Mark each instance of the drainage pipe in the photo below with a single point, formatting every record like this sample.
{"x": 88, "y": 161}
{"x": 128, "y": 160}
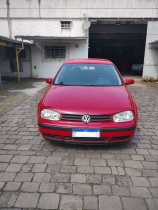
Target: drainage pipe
{"x": 17, "y": 59}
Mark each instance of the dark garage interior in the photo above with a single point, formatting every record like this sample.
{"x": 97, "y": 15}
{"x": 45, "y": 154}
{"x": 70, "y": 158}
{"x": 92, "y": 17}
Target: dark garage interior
{"x": 121, "y": 41}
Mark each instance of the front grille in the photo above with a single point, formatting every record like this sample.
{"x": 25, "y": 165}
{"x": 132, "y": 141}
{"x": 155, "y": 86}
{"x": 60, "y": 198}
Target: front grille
{"x": 69, "y": 138}
{"x": 120, "y": 138}
{"x": 50, "y": 136}
{"x": 94, "y": 118}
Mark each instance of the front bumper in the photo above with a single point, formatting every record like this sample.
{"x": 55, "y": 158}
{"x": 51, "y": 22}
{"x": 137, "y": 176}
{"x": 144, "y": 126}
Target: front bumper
{"x": 107, "y": 135}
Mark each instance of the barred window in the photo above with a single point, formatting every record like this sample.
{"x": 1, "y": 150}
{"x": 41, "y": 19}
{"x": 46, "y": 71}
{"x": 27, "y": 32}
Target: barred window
{"x": 65, "y": 24}
{"x": 2, "y": 53}
{"x": 53, "y": 52}
{"x": 11, "y": 53}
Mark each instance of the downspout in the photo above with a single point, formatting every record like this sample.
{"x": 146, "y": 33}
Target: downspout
{"x": 8, "y": 18}
{"x": 17, "y": 59}
{"x": 39, "y": 2}
{"x": 30, "y": 62}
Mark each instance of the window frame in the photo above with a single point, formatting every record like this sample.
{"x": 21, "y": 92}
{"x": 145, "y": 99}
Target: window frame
{"x": 55, "y": 45}
{"x": 65, "y": 24}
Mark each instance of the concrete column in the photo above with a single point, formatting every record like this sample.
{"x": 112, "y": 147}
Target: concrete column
{"x": 151, "y": 55}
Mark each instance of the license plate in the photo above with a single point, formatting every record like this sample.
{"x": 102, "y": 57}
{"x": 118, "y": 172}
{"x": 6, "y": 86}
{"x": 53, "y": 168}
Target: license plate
{"x": 86, "y": 133}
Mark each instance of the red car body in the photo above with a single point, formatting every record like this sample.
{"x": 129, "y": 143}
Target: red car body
{"x": 72, "y": 102}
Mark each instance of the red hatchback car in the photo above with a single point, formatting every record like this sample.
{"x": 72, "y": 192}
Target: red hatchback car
{"x": 87, "y": 102}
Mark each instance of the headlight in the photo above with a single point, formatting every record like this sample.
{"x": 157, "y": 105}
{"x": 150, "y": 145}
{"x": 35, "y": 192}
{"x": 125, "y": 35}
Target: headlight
{"x": 50, "y": 115}
{"x": 123, "y": 116}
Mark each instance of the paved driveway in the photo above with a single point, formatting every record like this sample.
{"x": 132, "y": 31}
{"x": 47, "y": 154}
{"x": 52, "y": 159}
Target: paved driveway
{"x": 38, "y": 175}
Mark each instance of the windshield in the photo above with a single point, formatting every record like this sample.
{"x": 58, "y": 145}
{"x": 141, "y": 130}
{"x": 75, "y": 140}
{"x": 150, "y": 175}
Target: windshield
{"x": 88, "y": 75}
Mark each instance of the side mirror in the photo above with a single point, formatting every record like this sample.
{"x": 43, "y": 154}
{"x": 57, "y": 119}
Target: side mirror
{"x": 49, "y": 80}
{"x": 129, "y": 81}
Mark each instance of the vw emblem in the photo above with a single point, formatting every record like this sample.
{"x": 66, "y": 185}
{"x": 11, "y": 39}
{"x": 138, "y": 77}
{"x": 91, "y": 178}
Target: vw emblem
{"x": 86, "y": 118}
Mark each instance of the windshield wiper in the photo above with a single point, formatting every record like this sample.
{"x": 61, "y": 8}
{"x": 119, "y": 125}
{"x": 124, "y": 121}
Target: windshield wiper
{"x": 61, "y": 83}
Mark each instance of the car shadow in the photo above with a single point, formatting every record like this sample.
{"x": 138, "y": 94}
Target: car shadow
{"x": 89, "y": 147}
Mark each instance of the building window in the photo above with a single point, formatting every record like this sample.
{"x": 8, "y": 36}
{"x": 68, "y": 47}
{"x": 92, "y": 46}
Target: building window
{"x": 11, "y": 53}
{"x": 65, "y": 24}
{"x": 2, "y": 53}
{"x": 54, "y": 52}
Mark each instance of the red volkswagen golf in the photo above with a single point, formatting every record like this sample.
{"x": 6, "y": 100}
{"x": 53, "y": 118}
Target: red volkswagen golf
{"x": 87, "y": 102}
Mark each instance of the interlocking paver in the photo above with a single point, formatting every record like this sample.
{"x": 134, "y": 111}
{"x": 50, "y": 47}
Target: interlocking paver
{"x": 7, "y": 199}
{"x": 39, "y": 167}
{"x": 7, "y": 176}
{"x": 1, "y": 185}
{"x": 78, "y": 178}
{"x": 53, "y": 160}
{"x": 140, "y": 181}
{"x": 36, "y": 159}
{"x": 47, "y": 187}
{"x": 134, "y": 203}
{"x": 65, "y": 188}
{"x": 121, "y": 191}
{"x": 109, "y": 203}
{"x": 102, "y": 170}
{"x": 14, "y": 167}
{"x": 49, "y": 201}
{"x": 94, "y": 178}
{"x": 85, "y": 169}
{"x": 69, "y": 202}
{"x": 20, "y": 159}
{"x": 90, "y": 202}
{"x": 3, "y": 166}
{"x": 101, "y": 190}
{"x": 154, "y": 192}
{"x": 82, "y": 161}
{"x": 133, "y": 164}
{"x": 108, "y": 179}
{"x": 115, "y": 163}
{"x": 12, "y": 186}
{"x": 123, "y": 180}
{"x": 152, "y": 203}
{"x": 42, "y": 177}
{"x": 140, "y": 192}
{"x": 60, "y": 178}
{"x": 68, "y": 169}
{"x": 97, "y": 162}
{"x": 150, "y": 165}
{"x": 154, "y": 182}
{"x": 150, "y": 173}
{"x": 82, "y": 189}
{"x": 27, "y": 200}
{"x": 5, "y": 158}
{"x": 30, "y": 187}
{"x": 24, "y": 177}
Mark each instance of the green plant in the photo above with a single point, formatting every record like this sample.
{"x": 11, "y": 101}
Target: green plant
{"x": 148, "y": 79}
{"x": 151, "y": 79}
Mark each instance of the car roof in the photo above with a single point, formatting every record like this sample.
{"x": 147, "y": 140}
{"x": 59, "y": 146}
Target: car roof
{"x": 88, "y": 61}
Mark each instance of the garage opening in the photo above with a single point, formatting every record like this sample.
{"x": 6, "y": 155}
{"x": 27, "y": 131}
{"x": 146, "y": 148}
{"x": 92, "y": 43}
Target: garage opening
{"x": 122, "y": 41}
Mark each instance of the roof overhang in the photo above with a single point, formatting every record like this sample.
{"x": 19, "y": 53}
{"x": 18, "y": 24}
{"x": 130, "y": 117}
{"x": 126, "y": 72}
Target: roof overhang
{"x": 154, "y": 45}
{"x": 54, "y": 38}
{"x": 5, "y": 41}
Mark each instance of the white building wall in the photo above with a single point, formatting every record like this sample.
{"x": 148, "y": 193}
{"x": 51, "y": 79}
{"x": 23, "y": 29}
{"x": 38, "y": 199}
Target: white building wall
{"x": 151, "y": 55}
{"x": 5, "y": 69}
{"x": 27, "y": 17}
{"x": 46, "y": 27}
{"x": 44, "y": 69}
{"x": 76, "y": 8}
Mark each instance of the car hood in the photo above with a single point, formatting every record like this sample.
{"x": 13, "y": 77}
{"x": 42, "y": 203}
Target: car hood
{"x": 88, "y": 100}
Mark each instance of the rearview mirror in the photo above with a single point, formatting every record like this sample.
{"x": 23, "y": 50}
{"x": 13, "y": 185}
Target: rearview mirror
{"x": 49, "y": 80}
{"x": 129, "y": 81}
